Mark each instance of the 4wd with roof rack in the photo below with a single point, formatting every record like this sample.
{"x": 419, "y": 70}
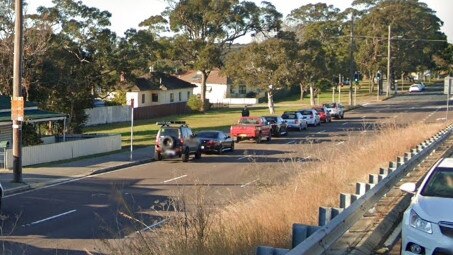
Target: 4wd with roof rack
{"x": 176, "y": 140}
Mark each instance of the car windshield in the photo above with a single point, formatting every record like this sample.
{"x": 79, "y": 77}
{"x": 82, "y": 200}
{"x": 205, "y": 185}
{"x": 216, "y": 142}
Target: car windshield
{"x": 169, "y": 132}
{"x": 306, "y": 112}
{"x": 271, "y": 119}
{"x": 330, "y": 105}
{"x": 289, "y": 116}
{"x": 439, "y": 184}
{"x": 249, "y": 121}
{"x": 211, "y": 135}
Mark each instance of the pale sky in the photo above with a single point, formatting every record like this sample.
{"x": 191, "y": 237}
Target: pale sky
{"x": 128, "y": 14}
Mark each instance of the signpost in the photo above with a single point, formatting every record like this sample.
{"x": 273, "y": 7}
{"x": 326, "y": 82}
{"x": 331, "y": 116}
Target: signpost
{"x": 132, "y": 129}
{"x": 17, "y": 109}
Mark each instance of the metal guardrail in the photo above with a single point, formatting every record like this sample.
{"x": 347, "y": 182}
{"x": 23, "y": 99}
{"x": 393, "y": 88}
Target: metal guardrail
{"x": 322, "y": 239}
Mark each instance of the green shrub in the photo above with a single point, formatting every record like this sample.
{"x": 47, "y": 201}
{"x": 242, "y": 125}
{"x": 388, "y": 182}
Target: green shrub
{"x": 194, "y": 103}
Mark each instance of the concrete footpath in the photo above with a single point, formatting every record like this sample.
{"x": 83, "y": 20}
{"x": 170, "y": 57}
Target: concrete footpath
{"x": 52, "y": 173}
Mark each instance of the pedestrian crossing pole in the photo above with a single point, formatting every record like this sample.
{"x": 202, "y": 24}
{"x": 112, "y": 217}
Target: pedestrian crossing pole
{"x": 132, "y": 130}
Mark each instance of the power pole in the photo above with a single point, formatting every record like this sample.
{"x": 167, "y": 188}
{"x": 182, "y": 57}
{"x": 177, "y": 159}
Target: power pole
{"x": 389, "y": 52}
{"x": 351, "y": 64}
{"x": 17, "y": 81}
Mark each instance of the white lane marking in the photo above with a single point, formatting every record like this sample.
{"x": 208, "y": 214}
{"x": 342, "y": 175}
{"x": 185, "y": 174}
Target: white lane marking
{"x": 248, "y": 183}
{"x": 321, "y": 131}
{"x": 340, "y": 143}
{"x": 245, "y": 157}
{"x": 49, "y": 218}
{"x": 152, "y": 226}
{"x": 365, "y": 104}
{"x": 344, "y": 124}
{"x": 364, "y": 116}
{"x": 291, "y": 142}
{"x": 174, "y": 179}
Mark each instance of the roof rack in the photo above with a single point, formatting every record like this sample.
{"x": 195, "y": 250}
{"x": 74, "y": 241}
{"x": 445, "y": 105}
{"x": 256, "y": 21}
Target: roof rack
{"x": 167, "y": 123}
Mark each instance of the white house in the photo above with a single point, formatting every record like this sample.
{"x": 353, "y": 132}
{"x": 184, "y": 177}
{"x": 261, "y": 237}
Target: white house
{"x": 158, "y": 89}
{"x": 219, "y": 88}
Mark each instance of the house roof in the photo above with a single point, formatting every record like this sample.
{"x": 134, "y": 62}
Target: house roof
{"x": 157, "y": 81}
{"x": 215, "y": 77}
{"x": 34, "y": 115}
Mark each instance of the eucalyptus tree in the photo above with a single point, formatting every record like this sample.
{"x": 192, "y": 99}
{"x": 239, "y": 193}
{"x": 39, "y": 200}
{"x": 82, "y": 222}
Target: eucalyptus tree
{"x": 321, "y": 25}
{"x": 267, "y": 65}
{"x": 416, "y": 37}
{"x": 205, "y": 30}
{"x": 78, "y": 60}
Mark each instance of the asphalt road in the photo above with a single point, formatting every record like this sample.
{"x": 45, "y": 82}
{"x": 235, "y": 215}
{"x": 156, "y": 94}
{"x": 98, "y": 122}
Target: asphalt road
{"x": 70, "y": 217}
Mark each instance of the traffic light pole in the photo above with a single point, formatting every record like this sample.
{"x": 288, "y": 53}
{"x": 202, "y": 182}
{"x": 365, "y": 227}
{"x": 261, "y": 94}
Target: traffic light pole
{"x": 17, "y": 125}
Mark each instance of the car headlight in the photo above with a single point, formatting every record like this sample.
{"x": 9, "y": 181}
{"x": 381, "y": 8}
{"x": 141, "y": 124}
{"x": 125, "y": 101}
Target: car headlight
{"x": 418, "y": 223}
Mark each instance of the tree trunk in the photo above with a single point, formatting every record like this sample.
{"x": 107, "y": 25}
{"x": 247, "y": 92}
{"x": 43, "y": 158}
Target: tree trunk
{"x": 270, "y": 101}
{"x": 302, "y": 92}
{"x": 204, "y": 78}
{"x": 312, "y": 95}
{"x": 372, "y": 84}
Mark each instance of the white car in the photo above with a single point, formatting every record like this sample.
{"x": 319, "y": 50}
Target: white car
{"x": 427, "y": 226}
{"x": 311, "y": 116}
{"x": 295, "y": 120}
{"x": 415, "y": 88}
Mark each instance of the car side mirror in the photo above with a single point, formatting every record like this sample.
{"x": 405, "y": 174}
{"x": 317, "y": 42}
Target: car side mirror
{"x": 409, "y": 187}
{"x": 227, "y": 137}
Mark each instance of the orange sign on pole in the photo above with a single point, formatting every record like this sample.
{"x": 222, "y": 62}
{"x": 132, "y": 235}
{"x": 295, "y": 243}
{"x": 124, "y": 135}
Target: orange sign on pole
{"x": 17, "y": 108}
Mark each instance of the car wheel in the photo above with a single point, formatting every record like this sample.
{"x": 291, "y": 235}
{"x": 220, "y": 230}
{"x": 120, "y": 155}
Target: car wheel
{"x": 220, "y": 150}
{"x": 157, "y": 156}
{"x": 269, "y": 138}
{"x": 232, "y": 147}
{"x": 342, "y": 116}
{"x": 237, "y": 140}
{"x": 185, "y": 155}
{"x": 198, "y": 154}
{"x": 300, "y": 128}
{"x": 258, "y": 139}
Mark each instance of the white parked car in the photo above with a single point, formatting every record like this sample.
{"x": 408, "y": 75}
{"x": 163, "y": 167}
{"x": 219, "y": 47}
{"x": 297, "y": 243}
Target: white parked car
{"x": 311, "y": 116}
{"x": 295, "y": 120}
{"x": 415, "y": 88}
{"x": 427, "y": 226}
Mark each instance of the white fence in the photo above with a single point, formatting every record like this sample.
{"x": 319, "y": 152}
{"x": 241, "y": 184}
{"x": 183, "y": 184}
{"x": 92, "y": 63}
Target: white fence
{"x": 45, "y": 153}
{"x": 108, "y": 114}
{"x": 236, "y": 101}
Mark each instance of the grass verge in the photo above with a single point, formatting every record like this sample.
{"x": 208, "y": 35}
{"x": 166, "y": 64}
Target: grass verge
{"x": 266, "y": 218}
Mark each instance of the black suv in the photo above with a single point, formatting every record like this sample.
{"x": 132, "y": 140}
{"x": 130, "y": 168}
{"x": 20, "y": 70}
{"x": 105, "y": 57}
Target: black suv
{"x": 175, "y": 139}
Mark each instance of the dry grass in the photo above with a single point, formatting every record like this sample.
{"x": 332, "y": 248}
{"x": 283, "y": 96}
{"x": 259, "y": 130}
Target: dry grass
{"x": 266, "y": 218}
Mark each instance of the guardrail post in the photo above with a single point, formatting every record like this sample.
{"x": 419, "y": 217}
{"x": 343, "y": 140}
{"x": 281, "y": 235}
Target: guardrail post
{"x": 302, "y": 232}
{"x": 392, "y": 165}
{"x": 345, "y": 200}
{"x": 354, "y": 197}
{"x": 360, "y": 188}
{"x": 373, "y": 178}
{"x": 399, "y": 161}
{"x": 414, "y": 151}
{"x": 369, "y": 186}
{"x": 385, "y": 171}
{"x": 381, "y": 177}
{"x": 325, "y": 214}
{"x": 265, "y": 250}
{"x": 407, "y": 156}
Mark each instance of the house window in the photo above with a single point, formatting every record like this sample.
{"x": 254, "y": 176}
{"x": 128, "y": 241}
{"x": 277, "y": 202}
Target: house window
{"x": 242, "y": 89}
{"x": 155, "y": 97}
{"x": 188, "y": 95}
{"x": 172, "y": 97}
{"x": 143, "y": 98}
{"x": 180, "y": 96}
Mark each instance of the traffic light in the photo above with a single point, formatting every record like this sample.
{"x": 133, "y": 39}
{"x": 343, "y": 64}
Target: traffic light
{"x": 378, "y": 76}
{"x": 356, "y": 77}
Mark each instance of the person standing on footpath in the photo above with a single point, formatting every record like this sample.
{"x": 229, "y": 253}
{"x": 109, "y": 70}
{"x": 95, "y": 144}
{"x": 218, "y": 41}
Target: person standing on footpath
{"x": 245, "y": 112}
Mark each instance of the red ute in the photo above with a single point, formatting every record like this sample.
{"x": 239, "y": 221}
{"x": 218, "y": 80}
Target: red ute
{"x": 251, "y": 128}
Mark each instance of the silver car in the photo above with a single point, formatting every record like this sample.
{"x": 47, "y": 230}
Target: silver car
{"x": 295, "y": 120}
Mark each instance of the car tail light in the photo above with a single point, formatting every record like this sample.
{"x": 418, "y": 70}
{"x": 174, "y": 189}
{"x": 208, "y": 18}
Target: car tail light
{"x": 181, "y": 141}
